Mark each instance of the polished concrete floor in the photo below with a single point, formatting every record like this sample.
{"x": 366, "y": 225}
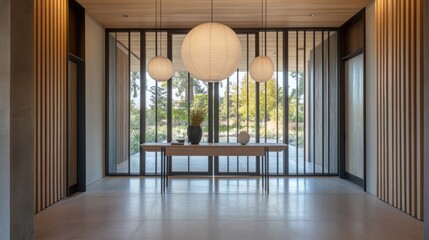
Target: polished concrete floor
{"x": 224, "y": 208}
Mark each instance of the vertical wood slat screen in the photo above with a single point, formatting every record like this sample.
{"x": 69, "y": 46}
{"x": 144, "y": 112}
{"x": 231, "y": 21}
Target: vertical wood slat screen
{"x": 399, "y": 34}
{"x": 50, "y": 38}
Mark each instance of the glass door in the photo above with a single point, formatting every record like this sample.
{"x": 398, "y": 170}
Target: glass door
{"x": 298, "y": 106}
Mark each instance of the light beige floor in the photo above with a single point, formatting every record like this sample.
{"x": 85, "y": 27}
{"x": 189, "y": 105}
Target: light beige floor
{"x": 224, "y": 208}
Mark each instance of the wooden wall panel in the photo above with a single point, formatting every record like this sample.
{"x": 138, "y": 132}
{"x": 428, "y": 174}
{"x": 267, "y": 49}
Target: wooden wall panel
{"x": 50, "y": 74}
{"x": 399, "y": 29}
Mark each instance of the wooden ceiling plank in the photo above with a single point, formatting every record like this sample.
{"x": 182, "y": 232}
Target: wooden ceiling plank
{"x": 236, "y": 14}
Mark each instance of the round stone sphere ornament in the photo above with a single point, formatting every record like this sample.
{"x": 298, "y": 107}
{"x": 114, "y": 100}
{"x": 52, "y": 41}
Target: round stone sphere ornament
{"x": 243, "y": 138}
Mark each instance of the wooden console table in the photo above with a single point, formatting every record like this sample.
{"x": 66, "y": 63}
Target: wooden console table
{"x": 214, "y": 149}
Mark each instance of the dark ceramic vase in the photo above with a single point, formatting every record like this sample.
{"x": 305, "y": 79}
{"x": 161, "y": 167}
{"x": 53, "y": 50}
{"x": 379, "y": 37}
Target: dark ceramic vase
{"x": 195, "y": 133}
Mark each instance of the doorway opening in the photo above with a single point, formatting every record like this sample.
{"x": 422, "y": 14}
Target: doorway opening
{"x": 76, "y": 169}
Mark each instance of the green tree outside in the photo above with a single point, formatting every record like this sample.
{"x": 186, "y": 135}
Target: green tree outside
{"x": 245, "y": 102}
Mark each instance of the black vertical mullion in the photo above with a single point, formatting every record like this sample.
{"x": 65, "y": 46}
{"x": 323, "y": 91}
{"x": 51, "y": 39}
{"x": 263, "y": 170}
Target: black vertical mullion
{"x": 305, "y": 102}
{"x": 169, "y": 97}
{"x": 340, "y": 102}
{"x": 142, "y": 100}
{"x": 247, "y": 89}
{"x": 238, "y": 105}
{"x": 329, "y": 106}
{"x": 169, "y": 91}
{"x": 265, "y": 93}
{"x": 156, "y": 111}
{"x": 296, "y": 101}
{"x": 277, "y": 96}
{"x": 227, "y": 110}
{"x": 210, "y": 112}
{"x": 156, "y": 107}
{"x": 265, "y": 112}
{"x": 216, "y": 121}
{"x": 227, "y": 121}
{"x": 129, "y": 102}
{"x": 210, "y": 122}
{"x": 247, "y": 82}
{"x": 189, "y": 89}
{"x": 108, "y": 110}
{"x": 286, "y": 100}
{"x": 156, "y": 125}
{"x": 314, "y": 102}
{"x": 107, "y": 104}
{"x": 323, "y": 102}
{"x": 156, "y": 104}
{"x": 257, "y": 107}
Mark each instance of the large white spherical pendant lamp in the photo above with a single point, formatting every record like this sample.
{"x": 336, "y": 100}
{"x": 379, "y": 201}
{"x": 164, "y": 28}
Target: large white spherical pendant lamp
{"x": 211, "y": 52}
{"x": 160, "y": 68}
{"x": 261, "y": 69}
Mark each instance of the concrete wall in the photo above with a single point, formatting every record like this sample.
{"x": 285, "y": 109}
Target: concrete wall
{"x": 94, "y": 60}
{"x": 16, "y": 119}
{"x": 371, "y": 100}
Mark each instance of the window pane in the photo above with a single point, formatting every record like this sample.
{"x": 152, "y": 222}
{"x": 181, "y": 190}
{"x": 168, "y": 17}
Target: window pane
{"x": 135, "y": 84}
{"x": 307, "y": 98}
{"x": 156, "y": 101}
{"x": 292, "y": 101}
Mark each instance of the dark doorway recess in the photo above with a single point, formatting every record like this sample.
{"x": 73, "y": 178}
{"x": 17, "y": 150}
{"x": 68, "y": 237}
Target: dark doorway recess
{"x": 76, "y": 167}
{"x": 352, "y": 148}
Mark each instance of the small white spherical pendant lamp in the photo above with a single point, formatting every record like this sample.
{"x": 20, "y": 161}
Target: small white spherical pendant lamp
{"x": 211, "y": 52}
{"x": 261, "y": 69}
{"x": 160, "y": 68}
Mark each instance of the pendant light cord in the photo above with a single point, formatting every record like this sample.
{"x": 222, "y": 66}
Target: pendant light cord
{"x": 160, "y": 26}
{"x": 156, "y": 28}
{"x": 211, "y": 10}
{"x": 266, "y": 24}
{"x": 262, "y": 23}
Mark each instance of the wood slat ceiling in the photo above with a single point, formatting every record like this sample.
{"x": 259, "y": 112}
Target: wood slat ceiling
{"x": 234, "y": 13}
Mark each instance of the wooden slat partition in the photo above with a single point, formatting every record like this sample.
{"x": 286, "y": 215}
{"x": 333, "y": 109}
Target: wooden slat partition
{"x": 50, "y": 39}
{"x": 399, "y": 29}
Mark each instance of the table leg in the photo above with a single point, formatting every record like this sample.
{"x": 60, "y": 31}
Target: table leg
{"x": 167, "y": 169}
{"x": 267, "y": 180}
{"x": 263, "y": 171}
{"x": 162, "y": 170}
{"x": 162, "y": 156}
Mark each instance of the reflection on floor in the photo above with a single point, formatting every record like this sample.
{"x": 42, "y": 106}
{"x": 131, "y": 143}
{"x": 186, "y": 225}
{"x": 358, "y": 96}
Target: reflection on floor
{"x": 224, "y": 208}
